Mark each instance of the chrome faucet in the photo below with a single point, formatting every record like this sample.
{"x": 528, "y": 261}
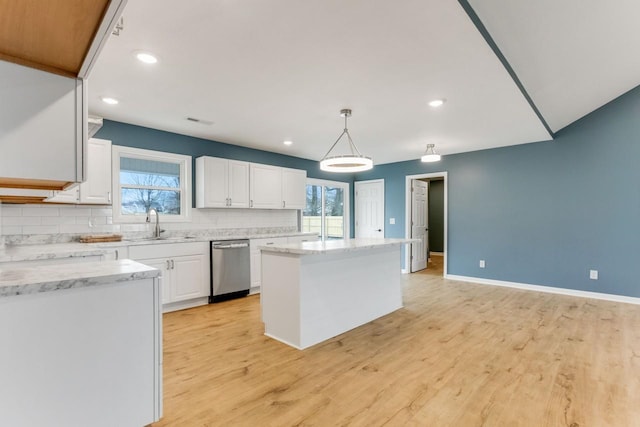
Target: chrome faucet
{"x": 156, "y": 231}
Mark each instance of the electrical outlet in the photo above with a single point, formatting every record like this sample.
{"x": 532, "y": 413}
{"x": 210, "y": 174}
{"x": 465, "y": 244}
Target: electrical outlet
{"x": 392, "y": 221}
{"x": 593, "y": 274}
{"x": 481, "y": 263}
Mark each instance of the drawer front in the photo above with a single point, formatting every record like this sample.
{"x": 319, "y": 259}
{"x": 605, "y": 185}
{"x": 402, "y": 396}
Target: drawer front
{"x": 168, "y": 250}
{"x": 256, "y": 243}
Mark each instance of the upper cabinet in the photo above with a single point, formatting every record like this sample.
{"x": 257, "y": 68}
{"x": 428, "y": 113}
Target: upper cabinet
{"x": 42, "y": 128}
{"x": 294, "y": 188}
{"x": 96, "y": 190}
{"x": 266, "y": 186}
{"x": 46, "y": 53}
{"x": 221, "y": 183}
{"x": 224, "y": 183}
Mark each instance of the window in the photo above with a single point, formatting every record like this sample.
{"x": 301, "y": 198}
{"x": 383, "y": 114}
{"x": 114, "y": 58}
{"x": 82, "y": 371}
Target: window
{"x": 145, "y": 179}
{"x": 327, "y": 209}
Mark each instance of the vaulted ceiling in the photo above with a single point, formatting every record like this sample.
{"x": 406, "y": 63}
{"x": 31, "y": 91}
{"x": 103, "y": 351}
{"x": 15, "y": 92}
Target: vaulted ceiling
{"x": 266, "y": 72}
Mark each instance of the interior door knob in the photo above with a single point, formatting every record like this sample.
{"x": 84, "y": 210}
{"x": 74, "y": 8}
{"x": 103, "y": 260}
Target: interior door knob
{"x": 379, "y": 229}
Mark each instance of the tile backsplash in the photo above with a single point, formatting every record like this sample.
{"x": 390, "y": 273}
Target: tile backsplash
{"x": 67, "y": 222}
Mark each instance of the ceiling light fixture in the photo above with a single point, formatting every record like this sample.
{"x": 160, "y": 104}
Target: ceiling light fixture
{"x": 354, "y": 162}
{"x": 430, "y": 155}
{"x": 287, "y": 143}
{"x": 146, "y": 57}
{"x": 110, "y": 101}
{"x": 437, "y": 102}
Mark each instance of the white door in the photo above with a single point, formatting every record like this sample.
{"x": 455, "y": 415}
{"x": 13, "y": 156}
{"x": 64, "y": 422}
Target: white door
{"x": 419, "y": 224}
{"x": 369, "y": 209}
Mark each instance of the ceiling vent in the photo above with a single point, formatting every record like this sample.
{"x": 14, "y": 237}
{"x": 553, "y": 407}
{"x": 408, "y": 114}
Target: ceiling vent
{"x": 202, "y": 122}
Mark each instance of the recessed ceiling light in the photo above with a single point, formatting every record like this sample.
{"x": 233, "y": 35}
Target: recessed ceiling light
{"x": 437, "y": 102}
{"x": 287, "y": 142}
{"x": 146, "y": 57}
{"x": 110, "y": 101}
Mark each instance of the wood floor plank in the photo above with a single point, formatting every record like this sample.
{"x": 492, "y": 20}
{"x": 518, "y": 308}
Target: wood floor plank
{"x": 457, "y": 354}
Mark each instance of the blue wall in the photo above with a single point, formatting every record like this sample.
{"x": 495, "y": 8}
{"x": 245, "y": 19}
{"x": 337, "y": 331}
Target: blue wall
{"x": 153, "y": 139}
{"x": 543, "y": 213}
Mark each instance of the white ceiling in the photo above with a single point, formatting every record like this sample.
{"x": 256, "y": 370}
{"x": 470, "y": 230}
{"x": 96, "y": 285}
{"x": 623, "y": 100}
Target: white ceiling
{"x": 572, "y": 56}
{"x": 265, "y": 72}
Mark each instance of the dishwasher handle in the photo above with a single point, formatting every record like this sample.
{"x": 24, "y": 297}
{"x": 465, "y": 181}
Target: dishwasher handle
{"x": 231, "y": 246}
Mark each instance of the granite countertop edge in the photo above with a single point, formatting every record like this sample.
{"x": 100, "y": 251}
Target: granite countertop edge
{"x": 17, "y": 253}
{"x": 337, "y": 246}
{"x": 48, "y": 278}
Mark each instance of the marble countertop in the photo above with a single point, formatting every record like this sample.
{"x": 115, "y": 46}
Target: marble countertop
{"x": 13, "y": 253}
{"x": 47, "y": 278}
{"x": 333, "y": 246}
{"x": 53, "y": 251}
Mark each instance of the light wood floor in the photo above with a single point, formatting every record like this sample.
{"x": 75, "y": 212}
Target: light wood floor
{"x": 457, "y": 354}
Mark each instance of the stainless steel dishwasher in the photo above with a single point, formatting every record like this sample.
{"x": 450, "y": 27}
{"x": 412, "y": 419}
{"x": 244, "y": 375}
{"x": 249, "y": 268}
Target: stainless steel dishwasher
{"x": 230, "y": 270}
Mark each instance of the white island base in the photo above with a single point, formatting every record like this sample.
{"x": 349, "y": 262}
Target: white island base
{"x": 313, "y": 291}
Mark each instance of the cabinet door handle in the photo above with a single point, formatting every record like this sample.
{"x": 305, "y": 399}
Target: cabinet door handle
{"x": 117, "y": 255}
{"x": 109, "y": 196}
{"x": 251, "y": 204}
{"x": 284, "y": 204}
{"x": 229, "y": 201}
{"x": 173, "y": 266}
{"x": 168, "y": 265}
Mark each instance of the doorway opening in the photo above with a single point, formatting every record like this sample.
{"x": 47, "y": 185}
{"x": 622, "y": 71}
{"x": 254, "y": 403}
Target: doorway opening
{"x": 421, "y": 256}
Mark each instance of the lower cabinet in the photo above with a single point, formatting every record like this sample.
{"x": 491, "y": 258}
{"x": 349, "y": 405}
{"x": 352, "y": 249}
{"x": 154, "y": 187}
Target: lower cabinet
{"x": 256, "y": 259}
{"x": 185, "y": 272}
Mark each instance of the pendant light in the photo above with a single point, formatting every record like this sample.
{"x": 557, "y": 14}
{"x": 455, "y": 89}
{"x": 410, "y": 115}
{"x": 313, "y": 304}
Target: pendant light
{"x": 430, "y": 155}
{"x": 353, "y": 162}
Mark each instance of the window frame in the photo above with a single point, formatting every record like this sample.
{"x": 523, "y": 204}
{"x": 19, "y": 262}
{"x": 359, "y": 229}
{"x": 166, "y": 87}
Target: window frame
{"x": 182, "y": 160}
{"x": 346, "y": 187}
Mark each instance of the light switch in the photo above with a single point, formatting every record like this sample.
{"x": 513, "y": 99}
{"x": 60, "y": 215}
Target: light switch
{"x": 593, "y": 274}
{"x": 392, "y": 221}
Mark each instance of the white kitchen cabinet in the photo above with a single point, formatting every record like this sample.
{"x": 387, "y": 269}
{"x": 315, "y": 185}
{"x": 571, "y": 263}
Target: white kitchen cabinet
{"x": 255, "y": 260}
{"x": 70, "y": 352}
{"x": 96, "y": 190}
{"x": 255, "y": 257}
{"x": 304, "y": 238}
{"x": 221, "y": 183}
{"x": 265, "y": 186}
{"x": 294, "y": 188}
{"x": 43, "y": 120}
{"x": 185, "y": 271}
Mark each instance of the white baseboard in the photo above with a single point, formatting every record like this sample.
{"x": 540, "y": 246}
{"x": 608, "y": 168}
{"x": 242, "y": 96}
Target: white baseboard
{"x": 404, "y": 271}
{"x": 547, "y": 289}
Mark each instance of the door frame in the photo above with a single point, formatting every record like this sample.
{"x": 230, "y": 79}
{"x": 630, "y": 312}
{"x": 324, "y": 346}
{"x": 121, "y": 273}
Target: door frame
{"x": 407, "y": 221}
{"x": 355, "y": 203}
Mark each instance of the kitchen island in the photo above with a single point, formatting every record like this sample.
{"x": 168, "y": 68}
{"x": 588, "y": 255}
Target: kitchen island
{"x": 313, "y": 291}
{"x": 81, "y": 345}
